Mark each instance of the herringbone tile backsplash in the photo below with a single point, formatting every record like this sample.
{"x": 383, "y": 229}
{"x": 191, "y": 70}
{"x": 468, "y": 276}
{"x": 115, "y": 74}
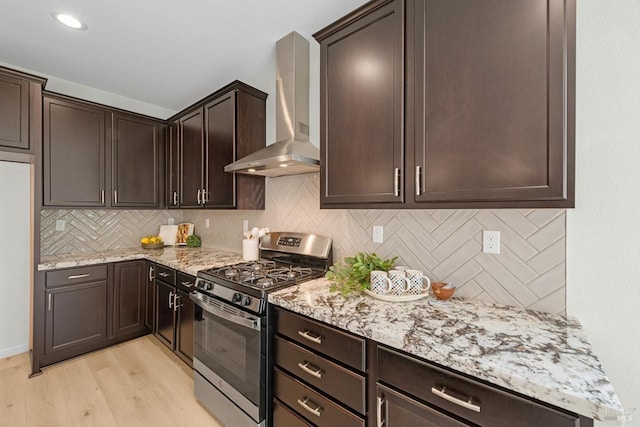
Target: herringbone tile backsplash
{"x": 92, "y": 230}
{"x": 445, "y": 244}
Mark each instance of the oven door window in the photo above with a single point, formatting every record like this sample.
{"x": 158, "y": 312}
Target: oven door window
{"x": 229, "y": 349}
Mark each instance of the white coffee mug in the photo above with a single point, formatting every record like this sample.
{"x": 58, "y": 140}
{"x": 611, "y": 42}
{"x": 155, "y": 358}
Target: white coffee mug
{"x": 380, "y": 283}
{"x": 399, "y": 282}
{"x": 417, "y": 282}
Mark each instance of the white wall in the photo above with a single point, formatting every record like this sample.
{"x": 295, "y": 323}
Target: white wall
{"x": 603, "y": 231}
{"x": 14, "y": 257}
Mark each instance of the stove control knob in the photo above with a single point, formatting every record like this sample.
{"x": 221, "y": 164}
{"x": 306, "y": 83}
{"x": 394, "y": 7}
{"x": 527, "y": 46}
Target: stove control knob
{"x": 246, "y": 301}
{"x": 237, "y": 297}
{"x": 208, "y": 286}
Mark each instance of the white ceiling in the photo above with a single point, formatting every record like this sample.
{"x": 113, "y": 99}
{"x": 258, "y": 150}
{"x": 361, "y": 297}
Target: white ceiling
{"x": 168, "y": 53}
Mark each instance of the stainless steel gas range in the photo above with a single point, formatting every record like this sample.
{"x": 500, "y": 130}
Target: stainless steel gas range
{"x": 233, "y": 324}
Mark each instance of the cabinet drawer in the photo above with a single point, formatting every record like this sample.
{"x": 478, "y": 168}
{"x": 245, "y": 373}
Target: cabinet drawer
{"x": 340, "y": 383}
{"x": 332, "y": 342}
{"x": 315, "y": 408}
{"x": 71, "y": 276}
{"x": 166, "y": 274}
{"x": 469, "y": 399}
{"x": 186, "y": 282}
{"x": 285, "y": 417}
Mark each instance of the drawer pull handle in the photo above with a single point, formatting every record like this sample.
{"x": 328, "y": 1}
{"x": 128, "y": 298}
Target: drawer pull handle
{"x": 163, "y": 274}
{"x": 396, "y": 182}
{"x": 170, "y": 298}
{"x": 465, "y": 404}
{"x": 310, "y": 369}
{"x": 151, "y": 274}
{"x": 315, "y": 411}
{"x": 316, "y": 338}
{"x": 79, "y": 276}
{"x": 187, "y": 284}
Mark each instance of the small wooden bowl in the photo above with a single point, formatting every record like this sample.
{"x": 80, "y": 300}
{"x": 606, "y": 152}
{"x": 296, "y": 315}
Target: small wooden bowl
{"x": 159, "y": 245}
{"x": 441, "y": 292}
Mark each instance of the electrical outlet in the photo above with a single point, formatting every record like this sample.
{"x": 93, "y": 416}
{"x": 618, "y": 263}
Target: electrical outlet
{"x": 378, "y": 234}
{"x": 171, "y": 221}
{"x": 245, "y": 225}
{"x": 206, "y": 223}
{"x": 60, "y": 224}
{"x": 491, "y": 242}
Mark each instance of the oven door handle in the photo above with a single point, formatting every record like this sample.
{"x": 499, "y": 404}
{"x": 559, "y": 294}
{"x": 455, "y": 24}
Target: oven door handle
{"x": 250, "y": 323}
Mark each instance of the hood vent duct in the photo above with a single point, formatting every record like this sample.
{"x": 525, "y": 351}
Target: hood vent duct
{"x": 292, "y": 153}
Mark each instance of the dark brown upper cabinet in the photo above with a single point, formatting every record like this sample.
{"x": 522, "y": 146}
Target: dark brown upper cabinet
{"x": 225, "y": 126}
{"x": 98, "y": 157}
{"x": 135, "y": 160}
{"x": 173, "y": 166}
{"x": 74, "y": 154}
{"x": 485, "y": 113}
{"x": 20, "y": 110}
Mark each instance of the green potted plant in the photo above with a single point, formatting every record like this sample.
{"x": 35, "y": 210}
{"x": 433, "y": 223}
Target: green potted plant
{"x": 352, "y": 273}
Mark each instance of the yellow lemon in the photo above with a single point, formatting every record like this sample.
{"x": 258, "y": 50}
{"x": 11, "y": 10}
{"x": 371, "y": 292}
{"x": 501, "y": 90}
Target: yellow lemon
{"x": 145, "y": 241}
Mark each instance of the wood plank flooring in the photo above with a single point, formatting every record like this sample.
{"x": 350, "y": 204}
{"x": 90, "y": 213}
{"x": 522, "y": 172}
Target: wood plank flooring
{"x": 137, "y": 383}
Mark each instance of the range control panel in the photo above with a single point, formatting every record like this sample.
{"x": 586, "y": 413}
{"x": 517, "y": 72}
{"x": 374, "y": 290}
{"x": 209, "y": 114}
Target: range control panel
{"x": 289, "y": 241}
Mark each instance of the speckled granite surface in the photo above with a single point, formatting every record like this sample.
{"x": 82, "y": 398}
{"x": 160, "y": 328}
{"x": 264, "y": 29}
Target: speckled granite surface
{"x": 187, "y": 260}
{"x": 544, "y": 356}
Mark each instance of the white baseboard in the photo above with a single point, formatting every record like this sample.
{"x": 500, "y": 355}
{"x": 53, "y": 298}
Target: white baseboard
{"x": 12, "y": 351}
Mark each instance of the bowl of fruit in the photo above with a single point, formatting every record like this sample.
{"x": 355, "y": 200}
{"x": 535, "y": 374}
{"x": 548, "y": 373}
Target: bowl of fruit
{"x": 151, "y": 242}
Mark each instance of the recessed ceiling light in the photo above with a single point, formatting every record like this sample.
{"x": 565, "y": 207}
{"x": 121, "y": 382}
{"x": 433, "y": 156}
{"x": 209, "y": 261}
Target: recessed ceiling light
{"x": 69, "y": 20}
{"x": 284, "y": 165}
{"x": 251, "y": 170}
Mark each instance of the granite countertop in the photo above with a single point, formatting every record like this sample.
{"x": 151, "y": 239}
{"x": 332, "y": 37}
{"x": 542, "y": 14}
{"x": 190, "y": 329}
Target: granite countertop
{"x": 187, "y": 260}
{"x": 541, "y": 355}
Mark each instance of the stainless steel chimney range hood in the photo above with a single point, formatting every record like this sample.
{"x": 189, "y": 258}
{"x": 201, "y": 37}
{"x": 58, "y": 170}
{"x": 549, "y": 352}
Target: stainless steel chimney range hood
{"x": 292, "y": 153}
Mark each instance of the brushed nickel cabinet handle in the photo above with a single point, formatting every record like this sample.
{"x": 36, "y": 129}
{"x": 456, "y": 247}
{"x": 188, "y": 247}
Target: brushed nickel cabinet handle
{"x": 464, "y": 403}
{"x": 187, "y": 284}
{"x": 50, "y": 302}
{"x": 396, "y": 182}
{"x": 176, "y": 298}
{"x": 170, "y": 298}
{"x": 309, "y": 369}
{"x": 204, "y": 196}
{"x": 199, "y": 197}
{"x": 418, "y": 176}
{"x": 102, "y": 197}
{"x": 163, "y": 274}
{"x": 317, "y": 338}
{"x": 304, "y": 403}
{"x": 379, "y": 420}
{"x": 151, "y": 270}
{"x": 78, "y": 276}
{"x": 175, "y": 198}
{"x": 115, "y": 197}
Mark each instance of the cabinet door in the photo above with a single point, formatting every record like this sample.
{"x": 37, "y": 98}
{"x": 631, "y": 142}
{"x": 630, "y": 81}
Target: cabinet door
{"x": 494, "y": 100}
{"x": 191, "y": 159}
{"x": 14, "y": 112}
{"x": 74, "y": 172}
{"x": 220, "y": 143}
{"x": 150, "y": 296}
{"x": 397, "y": 410}
{"x": 135, "y": 156}
{"x": 173, "y": 166}
{"x": 75, "y": 316}
{"x": 362, "y": 102}
{"x": 129, "y": 297}
{"x": 165, "y": 314}
{"x": 184, "y": 333}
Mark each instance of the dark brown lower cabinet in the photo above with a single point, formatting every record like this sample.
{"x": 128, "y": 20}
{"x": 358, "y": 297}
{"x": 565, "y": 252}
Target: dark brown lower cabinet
{"x": 184, "y": 331}
{"x": 150, "y": 296}
{"x": 76, "y": 316}
{"x": 129, "y": 298}
{"x": 399, "y": 410}
{"x": 165, "y": 316}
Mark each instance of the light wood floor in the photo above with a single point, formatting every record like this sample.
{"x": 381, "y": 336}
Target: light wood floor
{"x": 137, "y": 383}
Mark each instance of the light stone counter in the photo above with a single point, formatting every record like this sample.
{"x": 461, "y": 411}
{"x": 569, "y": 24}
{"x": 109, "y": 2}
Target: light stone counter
{"x": 187, "y": 260}
{"x": 544, "y": 356}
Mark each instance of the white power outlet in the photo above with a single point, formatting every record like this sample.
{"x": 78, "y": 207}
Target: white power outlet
{"x": 491, "y": 242}
{"x": 171, "y": 221}
{"x": 60, "y": 223}
{"x": 245, "y": 225}
{"x": 206, "y": 223}
{"x": 378, "y": 234}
